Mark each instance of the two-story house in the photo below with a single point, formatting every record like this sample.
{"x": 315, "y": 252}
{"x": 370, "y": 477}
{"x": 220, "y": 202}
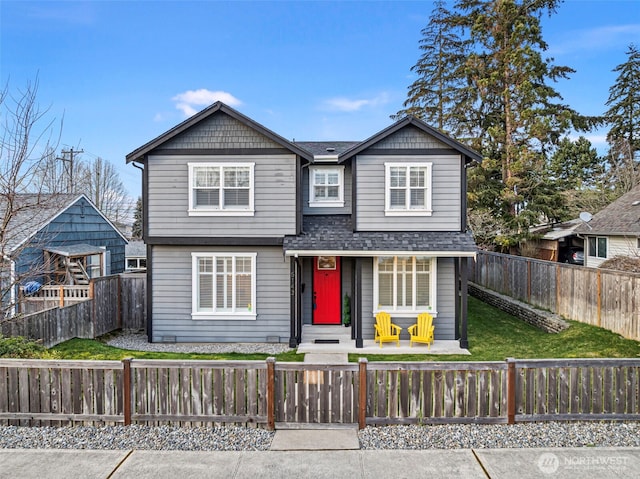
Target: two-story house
{"x": 251, "y": 236}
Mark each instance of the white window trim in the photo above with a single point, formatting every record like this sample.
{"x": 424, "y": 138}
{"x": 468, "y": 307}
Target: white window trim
{"x": 250, "y": 211}
{"x": 226, "y": 315}
{"x": 313, "y": 202}
{"x": 388, "y": 211}
{"x": 606, "y": 256}
{"x": 405, "y": 313}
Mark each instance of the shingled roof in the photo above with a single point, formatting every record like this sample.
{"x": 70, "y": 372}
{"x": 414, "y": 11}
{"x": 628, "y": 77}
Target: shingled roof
{"x": 620, "y": 218}
{"x": 335, "y": 233}
{"x": 32, "y": 212}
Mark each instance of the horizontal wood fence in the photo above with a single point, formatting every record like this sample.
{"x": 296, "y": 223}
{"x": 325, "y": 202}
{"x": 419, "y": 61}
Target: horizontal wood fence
{"x": 266, "y": 394}
{"x": 604, "y": 298}
{"x": 115, "y": 302}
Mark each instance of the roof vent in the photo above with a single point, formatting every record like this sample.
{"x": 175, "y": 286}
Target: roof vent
{"x": 331, "y": 149}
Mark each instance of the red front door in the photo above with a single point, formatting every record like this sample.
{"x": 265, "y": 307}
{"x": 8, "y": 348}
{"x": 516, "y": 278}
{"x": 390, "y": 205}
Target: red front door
{"x": 326, "y": 290}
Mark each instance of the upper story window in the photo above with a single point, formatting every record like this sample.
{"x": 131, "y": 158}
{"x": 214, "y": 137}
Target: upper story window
{"x": 221, "y": 189}
{"x": 326, "y": 186}
{"x": 598, "y": 246}
{"x": 408, "y": 189}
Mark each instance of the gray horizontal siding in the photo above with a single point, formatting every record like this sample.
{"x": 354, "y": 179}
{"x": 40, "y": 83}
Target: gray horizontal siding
{"x": 445, "y": 321}
{"x": 345, "y": 210}
{"x": 172, "y": 298}
{"x": 274, "y": 199}
{"x": 445, "y": 198}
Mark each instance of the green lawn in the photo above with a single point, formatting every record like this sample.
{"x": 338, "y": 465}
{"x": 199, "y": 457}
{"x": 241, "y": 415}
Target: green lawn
{"x": 493, "y": 336}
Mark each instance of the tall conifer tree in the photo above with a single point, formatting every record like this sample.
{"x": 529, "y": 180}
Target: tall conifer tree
{"x": 623, "y": 116}
{"x": 438, "y": 93}
{"x": 515, "y": 116}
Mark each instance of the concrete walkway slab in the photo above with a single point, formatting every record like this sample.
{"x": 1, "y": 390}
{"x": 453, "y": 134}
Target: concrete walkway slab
{"x": 179, "y": 464}
{"x": 432, "y": 464}
{"x": 301, "y": 465}
{"x": 59, "y": 463}
{"x": 565, "y": 463}
{"x": 315, "y": 440}
{"x": 326, "y": 358}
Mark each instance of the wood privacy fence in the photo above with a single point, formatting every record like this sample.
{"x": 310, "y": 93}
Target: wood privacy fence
{"x": 604, "y": 298}
{"x": 116, "y": 302}
{"x": 196, "y": 393}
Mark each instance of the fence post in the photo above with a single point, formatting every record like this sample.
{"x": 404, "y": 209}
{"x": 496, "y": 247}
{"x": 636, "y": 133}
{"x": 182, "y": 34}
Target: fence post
{"x": 61, "y": 298}
{"x": 126, "y": 390}
{"x": 599, "y": 286}
{"x": 271, "y": 388}
{"x": 362, "y": 396}
{"x": 511, "y": 391}
{"x": 119, "y": 316}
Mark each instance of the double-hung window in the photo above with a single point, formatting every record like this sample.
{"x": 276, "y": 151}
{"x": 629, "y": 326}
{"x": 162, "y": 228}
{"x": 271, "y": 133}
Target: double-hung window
{"x": 405, "y": 284}
{"x": 326, "y": 186}
{"x": 598, "y": 246}
{"x": 221, "y": 189}
{"x": 224, "y": 285}
{"x": 408, "y": 189}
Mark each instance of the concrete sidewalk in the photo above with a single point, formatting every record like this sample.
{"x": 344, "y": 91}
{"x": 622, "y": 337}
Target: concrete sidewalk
{"x": 583, "y": 463}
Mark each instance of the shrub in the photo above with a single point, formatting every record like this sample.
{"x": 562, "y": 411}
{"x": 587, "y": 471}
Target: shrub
{"x": 22, "y": 348}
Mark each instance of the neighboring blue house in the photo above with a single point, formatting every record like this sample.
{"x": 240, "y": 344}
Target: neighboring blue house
{"x": 254, "y": 238}
{"x": 58, "y": 240}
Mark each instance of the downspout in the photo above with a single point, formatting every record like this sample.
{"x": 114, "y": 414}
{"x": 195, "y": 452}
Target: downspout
{"x": 12, "y": 282}
{"x": 145, "y": 230}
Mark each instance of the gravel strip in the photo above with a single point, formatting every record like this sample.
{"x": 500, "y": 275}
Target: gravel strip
{"x": 550, "y": 434}
{"x": 165, "y": 438}
{"x": 138, "y": 342}
{"x": 480, "y": 436}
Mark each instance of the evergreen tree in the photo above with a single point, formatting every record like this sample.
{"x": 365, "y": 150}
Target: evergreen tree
{"x": 624, "y": 107}
{"x": 575, "y": 165}
{"x": 136, "y": 230}
{"x": 517, "y": 118}
{"x": 437, "y": 95}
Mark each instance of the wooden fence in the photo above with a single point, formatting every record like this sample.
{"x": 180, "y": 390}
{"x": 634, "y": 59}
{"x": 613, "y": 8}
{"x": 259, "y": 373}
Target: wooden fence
{"x": 51, "y": 296}
{"x": 604, "y": 298}
{"x": 117, "y": 301}
{"x": 196, "y": 393}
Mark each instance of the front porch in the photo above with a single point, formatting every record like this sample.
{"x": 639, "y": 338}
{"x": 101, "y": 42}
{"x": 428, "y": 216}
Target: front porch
{"x": 345, "y": 344}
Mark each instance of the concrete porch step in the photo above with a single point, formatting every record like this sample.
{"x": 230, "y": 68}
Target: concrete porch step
{"x": 325, "y": 333}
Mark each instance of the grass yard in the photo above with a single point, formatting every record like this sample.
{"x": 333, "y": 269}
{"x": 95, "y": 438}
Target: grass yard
{"x": 98, "y": 350}
{"x": 493, "y": 336}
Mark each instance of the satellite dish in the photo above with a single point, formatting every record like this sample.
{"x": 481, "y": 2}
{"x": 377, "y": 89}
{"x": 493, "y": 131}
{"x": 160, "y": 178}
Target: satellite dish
{"x": 586, "y": 216}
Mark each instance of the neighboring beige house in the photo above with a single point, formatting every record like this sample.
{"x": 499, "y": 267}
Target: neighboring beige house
{"x": 614, "y": 231}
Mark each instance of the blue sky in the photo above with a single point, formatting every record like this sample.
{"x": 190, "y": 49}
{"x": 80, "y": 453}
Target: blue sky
{"x": 121, "y": 73}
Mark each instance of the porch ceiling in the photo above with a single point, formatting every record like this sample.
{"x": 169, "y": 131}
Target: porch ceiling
{"x": 334, "y": 235}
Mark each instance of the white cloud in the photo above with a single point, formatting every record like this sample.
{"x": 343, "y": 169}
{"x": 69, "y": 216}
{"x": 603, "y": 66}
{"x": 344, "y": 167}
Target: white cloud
{"x": 350, "y": 105}
{"x": 597, "y": 39}
{"x": 188, "y": 101}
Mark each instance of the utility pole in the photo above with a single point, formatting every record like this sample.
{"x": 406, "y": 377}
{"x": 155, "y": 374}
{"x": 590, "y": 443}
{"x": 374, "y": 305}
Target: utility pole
{"x": 71, "y": 152}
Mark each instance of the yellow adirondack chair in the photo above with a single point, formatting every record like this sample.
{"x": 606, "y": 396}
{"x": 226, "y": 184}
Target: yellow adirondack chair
{"x": 422, "y": 331}
{"x": 386, "y": 331}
